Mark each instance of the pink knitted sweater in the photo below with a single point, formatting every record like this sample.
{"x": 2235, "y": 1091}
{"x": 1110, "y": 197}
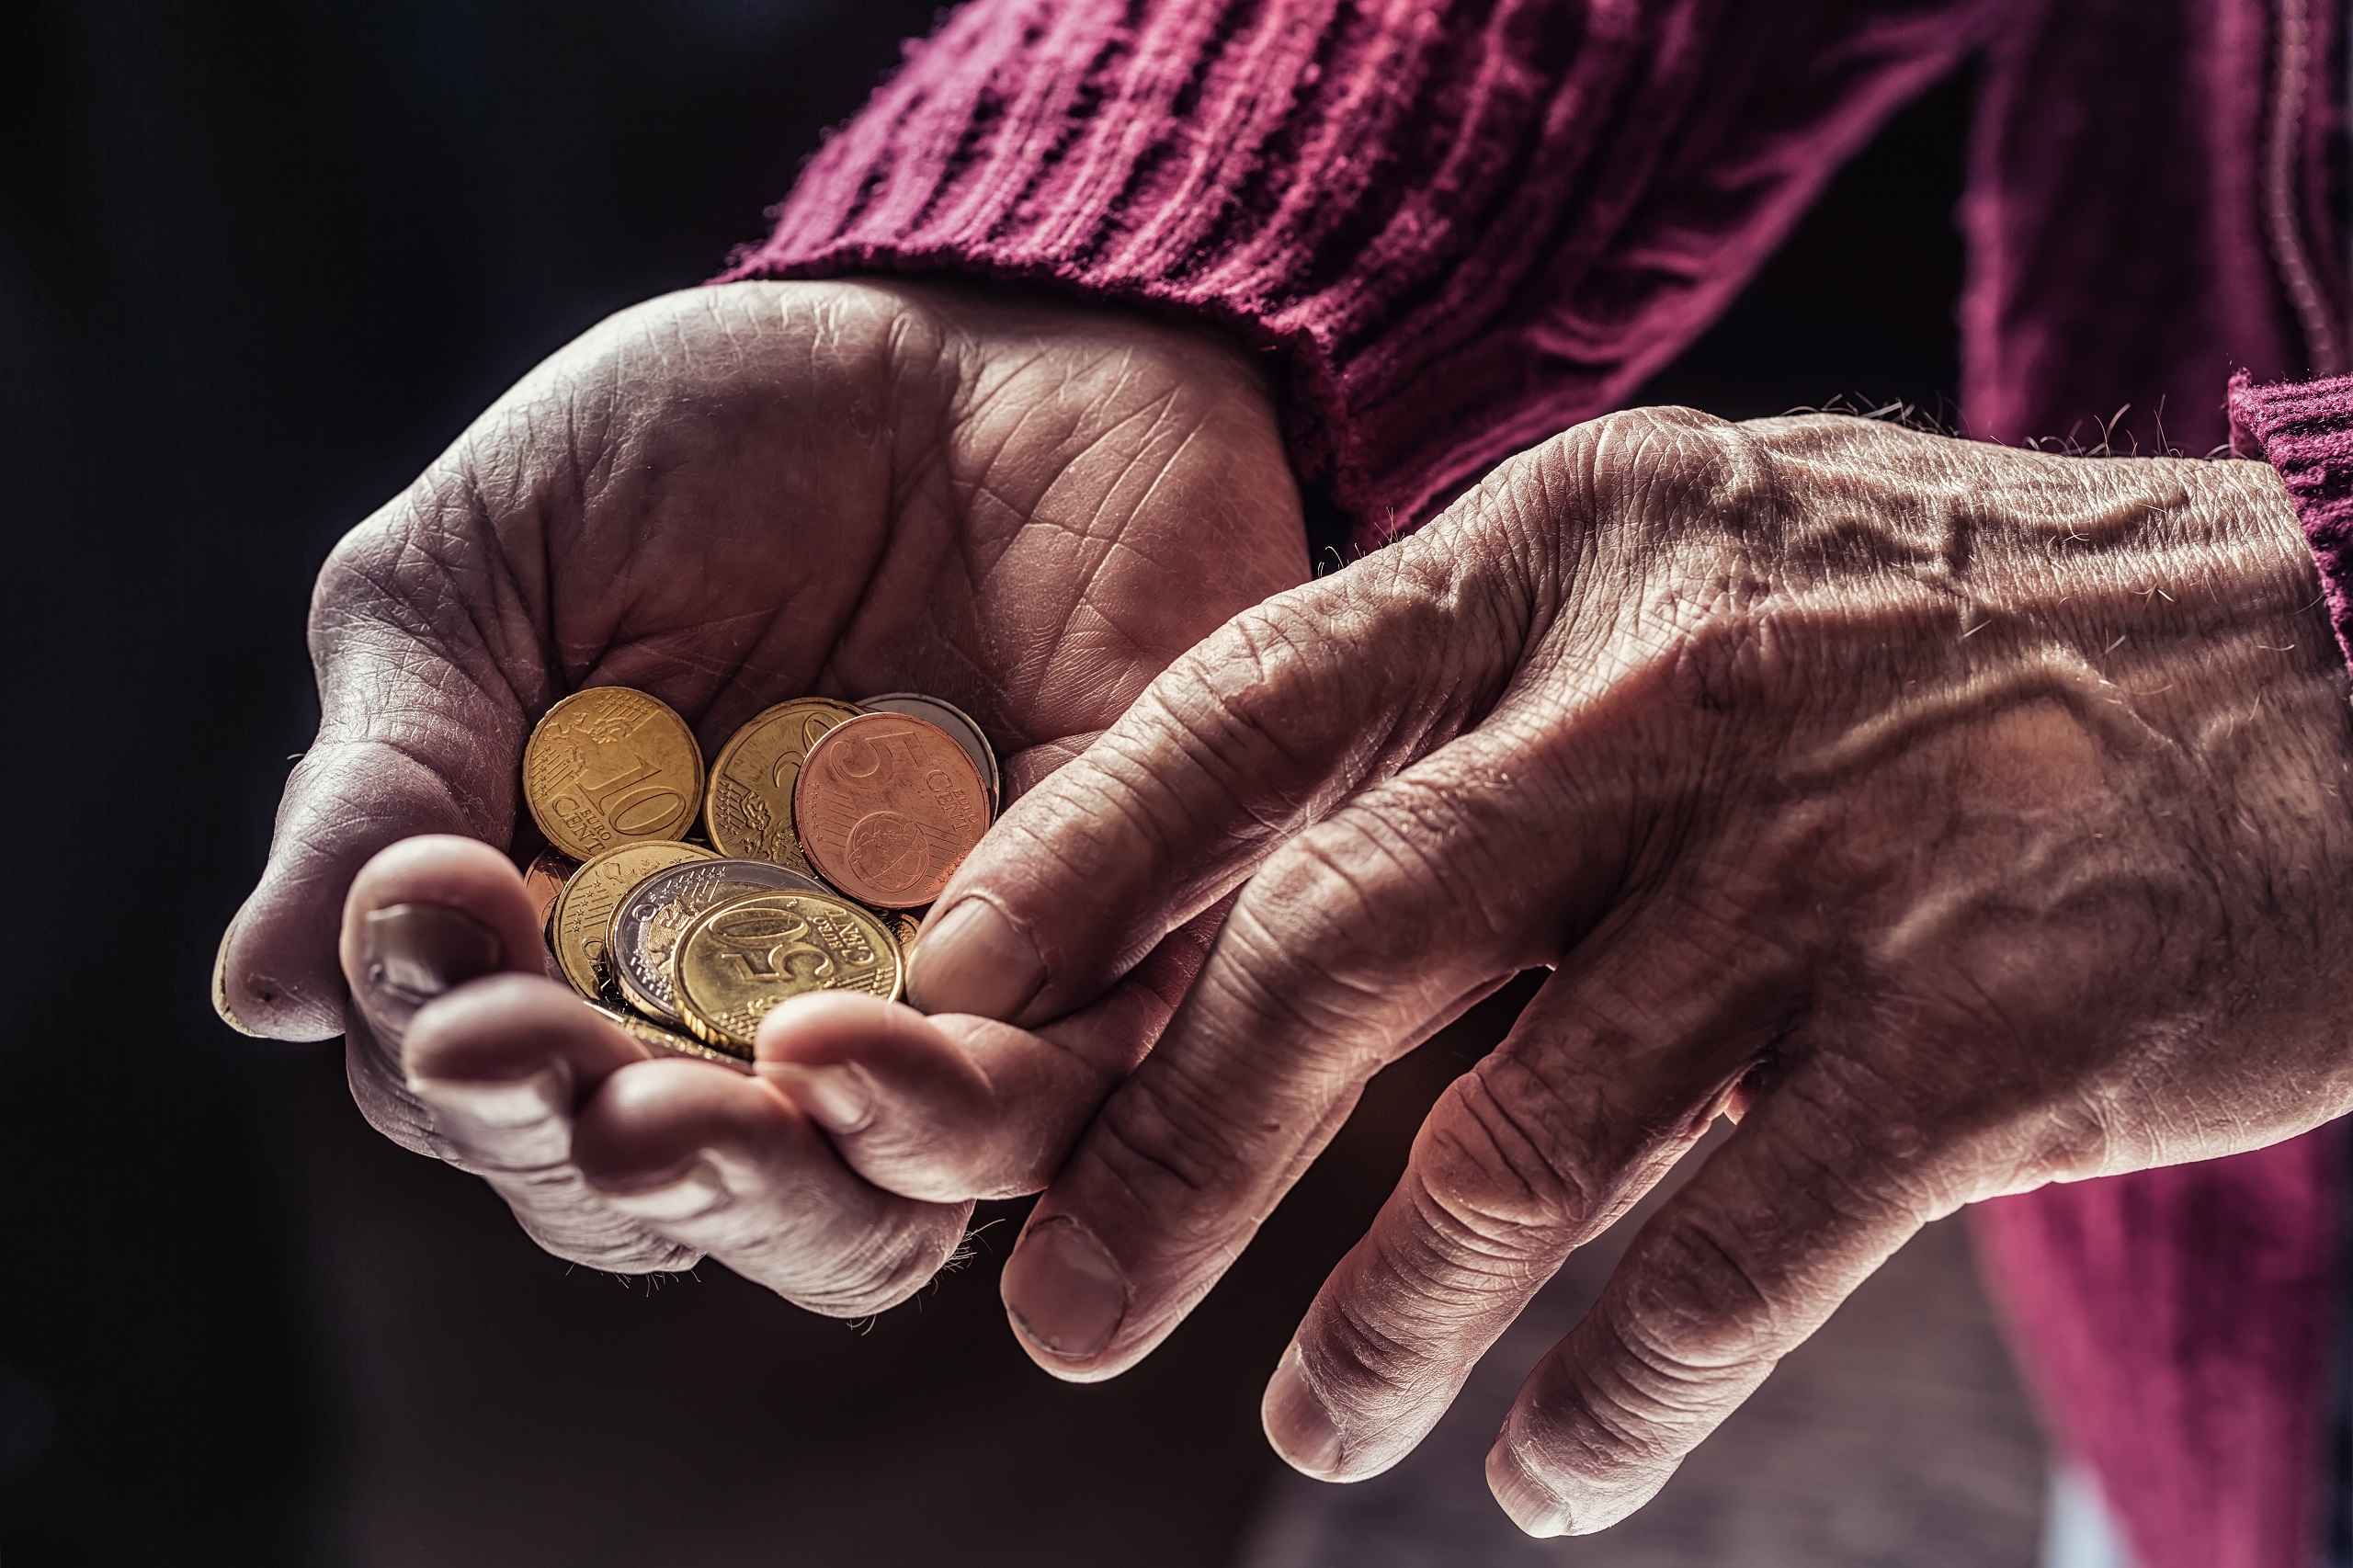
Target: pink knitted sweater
{"x": 1460, "y": 225}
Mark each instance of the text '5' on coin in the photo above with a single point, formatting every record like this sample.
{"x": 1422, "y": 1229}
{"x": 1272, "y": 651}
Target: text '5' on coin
{"x": 887, "y": 807}
{"x": 611, "y": 766}
{"x": 955, "y": 722}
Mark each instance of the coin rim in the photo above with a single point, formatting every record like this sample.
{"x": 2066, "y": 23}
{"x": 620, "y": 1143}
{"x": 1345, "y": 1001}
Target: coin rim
{"x": 555, "y": 917}
{"x": 929, "y": 897}
{"x": 694, "y": 796}
{"x": 648, "y": 1032}
{"x": 726, "y": 754}
{"x": 709, "y": 1033}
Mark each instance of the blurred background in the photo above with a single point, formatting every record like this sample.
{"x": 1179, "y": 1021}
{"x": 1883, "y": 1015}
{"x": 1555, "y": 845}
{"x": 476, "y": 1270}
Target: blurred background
{"x": 260, "y": 260}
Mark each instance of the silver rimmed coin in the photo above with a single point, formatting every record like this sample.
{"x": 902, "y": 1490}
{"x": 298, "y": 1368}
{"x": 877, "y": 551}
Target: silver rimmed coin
{"x": 960, "y": 727}
{"x": 649, "y": 919}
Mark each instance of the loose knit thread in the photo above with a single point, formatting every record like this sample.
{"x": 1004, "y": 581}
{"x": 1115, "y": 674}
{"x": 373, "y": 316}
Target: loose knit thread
{"x": 2305, "y": 431}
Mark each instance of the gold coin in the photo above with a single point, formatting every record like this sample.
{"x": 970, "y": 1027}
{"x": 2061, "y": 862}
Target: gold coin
{"x": 749, "y": 811}
{"x": 610, "y": 766}
{"x": 584, "y": 914}
{"x": 654, "y": 1034}
{"x": 648, "y": 923}
{"x": 903, "y": 924}
{"x": 740, "y": 958}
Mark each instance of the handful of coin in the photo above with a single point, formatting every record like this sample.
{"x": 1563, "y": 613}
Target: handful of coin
{"x": 829, "y": 825}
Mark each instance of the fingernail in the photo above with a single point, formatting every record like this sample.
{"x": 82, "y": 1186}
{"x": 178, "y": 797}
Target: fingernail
{"x": 221, "y": 984}
{"x": 1066, "y": 1295}
{"x": 1531, "y": 1504}
{"x": 423, "y": 950}
{"x": 975, "y": 960}
{"x": 1298, "y": 1424}
{"x": 838, "y": 1098}
{"x": 701, "y": 1190}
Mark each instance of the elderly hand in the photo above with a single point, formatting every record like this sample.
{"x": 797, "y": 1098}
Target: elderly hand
{"x": 1960, "y": 819}
{"x": 728, "y": 497}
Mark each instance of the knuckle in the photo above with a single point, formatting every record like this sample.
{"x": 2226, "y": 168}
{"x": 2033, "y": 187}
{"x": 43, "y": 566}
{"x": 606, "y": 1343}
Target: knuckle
{"x": 861, "y": 1276}
{"x": 1492, "y": 1182}
{"x": 1168, "y": 1141}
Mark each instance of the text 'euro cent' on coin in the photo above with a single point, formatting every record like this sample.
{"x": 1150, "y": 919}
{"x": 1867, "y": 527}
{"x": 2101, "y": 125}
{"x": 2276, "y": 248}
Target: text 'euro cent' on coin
{"x": 611, "y": 766}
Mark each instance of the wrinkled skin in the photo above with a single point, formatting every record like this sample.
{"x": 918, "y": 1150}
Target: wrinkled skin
{"x": 1960, "y": 819}
{"x": 729, "y": 498}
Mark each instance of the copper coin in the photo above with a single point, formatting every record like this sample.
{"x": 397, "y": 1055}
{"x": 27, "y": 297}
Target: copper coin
{"x": 887, "y": 807}
{"x": 958, "y": 724}
{"x": 544, "y": 878}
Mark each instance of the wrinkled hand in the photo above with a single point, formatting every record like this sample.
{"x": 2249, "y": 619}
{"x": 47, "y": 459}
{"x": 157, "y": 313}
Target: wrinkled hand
{"x": 1961, "y": 819}
{"x": 729, "y": 498}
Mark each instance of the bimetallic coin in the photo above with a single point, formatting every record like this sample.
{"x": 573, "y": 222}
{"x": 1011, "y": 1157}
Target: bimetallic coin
{"x": 660, "y": 1039}
{"x": 887, "y": 807}
{"x": 543, "y": 878}
{"x": 740, "y": 960}
{"x": 610, "y": 766}
{"x": 956, "y": 723}
{"x": 749, "y": 809}
{"x": 583, "y": 915}
{"x": 648, "y": 923}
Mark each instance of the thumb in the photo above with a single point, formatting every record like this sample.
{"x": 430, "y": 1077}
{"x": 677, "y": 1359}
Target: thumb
{"x": 419, "y": 732}
{"x": 1260, "y": 729}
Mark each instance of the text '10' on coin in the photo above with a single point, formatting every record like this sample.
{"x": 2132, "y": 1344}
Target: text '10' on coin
{"x": 740, "y": 960}
{"x": 611, "y": 766}
{"x": 887, "y": 807}
{"x": 583, "y": 915}
{"x": 749, "y": 807}
{"x": 654, "y": 913}
{"x": 955, "y": 722}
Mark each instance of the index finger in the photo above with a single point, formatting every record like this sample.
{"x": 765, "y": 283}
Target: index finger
{"x": 1261, "y": 729}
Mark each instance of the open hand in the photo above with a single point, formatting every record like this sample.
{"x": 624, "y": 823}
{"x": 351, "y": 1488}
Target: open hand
{"x": 1961, "y": 819}
{"x": 728, "y": 497}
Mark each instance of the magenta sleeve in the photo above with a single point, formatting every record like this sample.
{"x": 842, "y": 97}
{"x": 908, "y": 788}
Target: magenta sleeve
{"x": 2304, "y": 429}
{"x": 1463, "y": 224}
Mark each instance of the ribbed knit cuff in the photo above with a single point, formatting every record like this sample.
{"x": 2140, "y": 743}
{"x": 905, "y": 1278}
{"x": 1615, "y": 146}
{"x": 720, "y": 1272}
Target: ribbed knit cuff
{"x": 1465, "y": 225}
{"x": 2304, "y": 429}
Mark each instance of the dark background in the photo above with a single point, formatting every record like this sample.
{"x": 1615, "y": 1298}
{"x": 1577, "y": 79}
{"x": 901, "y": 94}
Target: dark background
{"x": 259, "y": 259}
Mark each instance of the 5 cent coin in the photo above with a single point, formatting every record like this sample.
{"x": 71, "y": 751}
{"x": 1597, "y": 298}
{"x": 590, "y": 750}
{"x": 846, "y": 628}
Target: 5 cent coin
{"x": 956, "y": 722}
{"x": 887, "y": 807}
